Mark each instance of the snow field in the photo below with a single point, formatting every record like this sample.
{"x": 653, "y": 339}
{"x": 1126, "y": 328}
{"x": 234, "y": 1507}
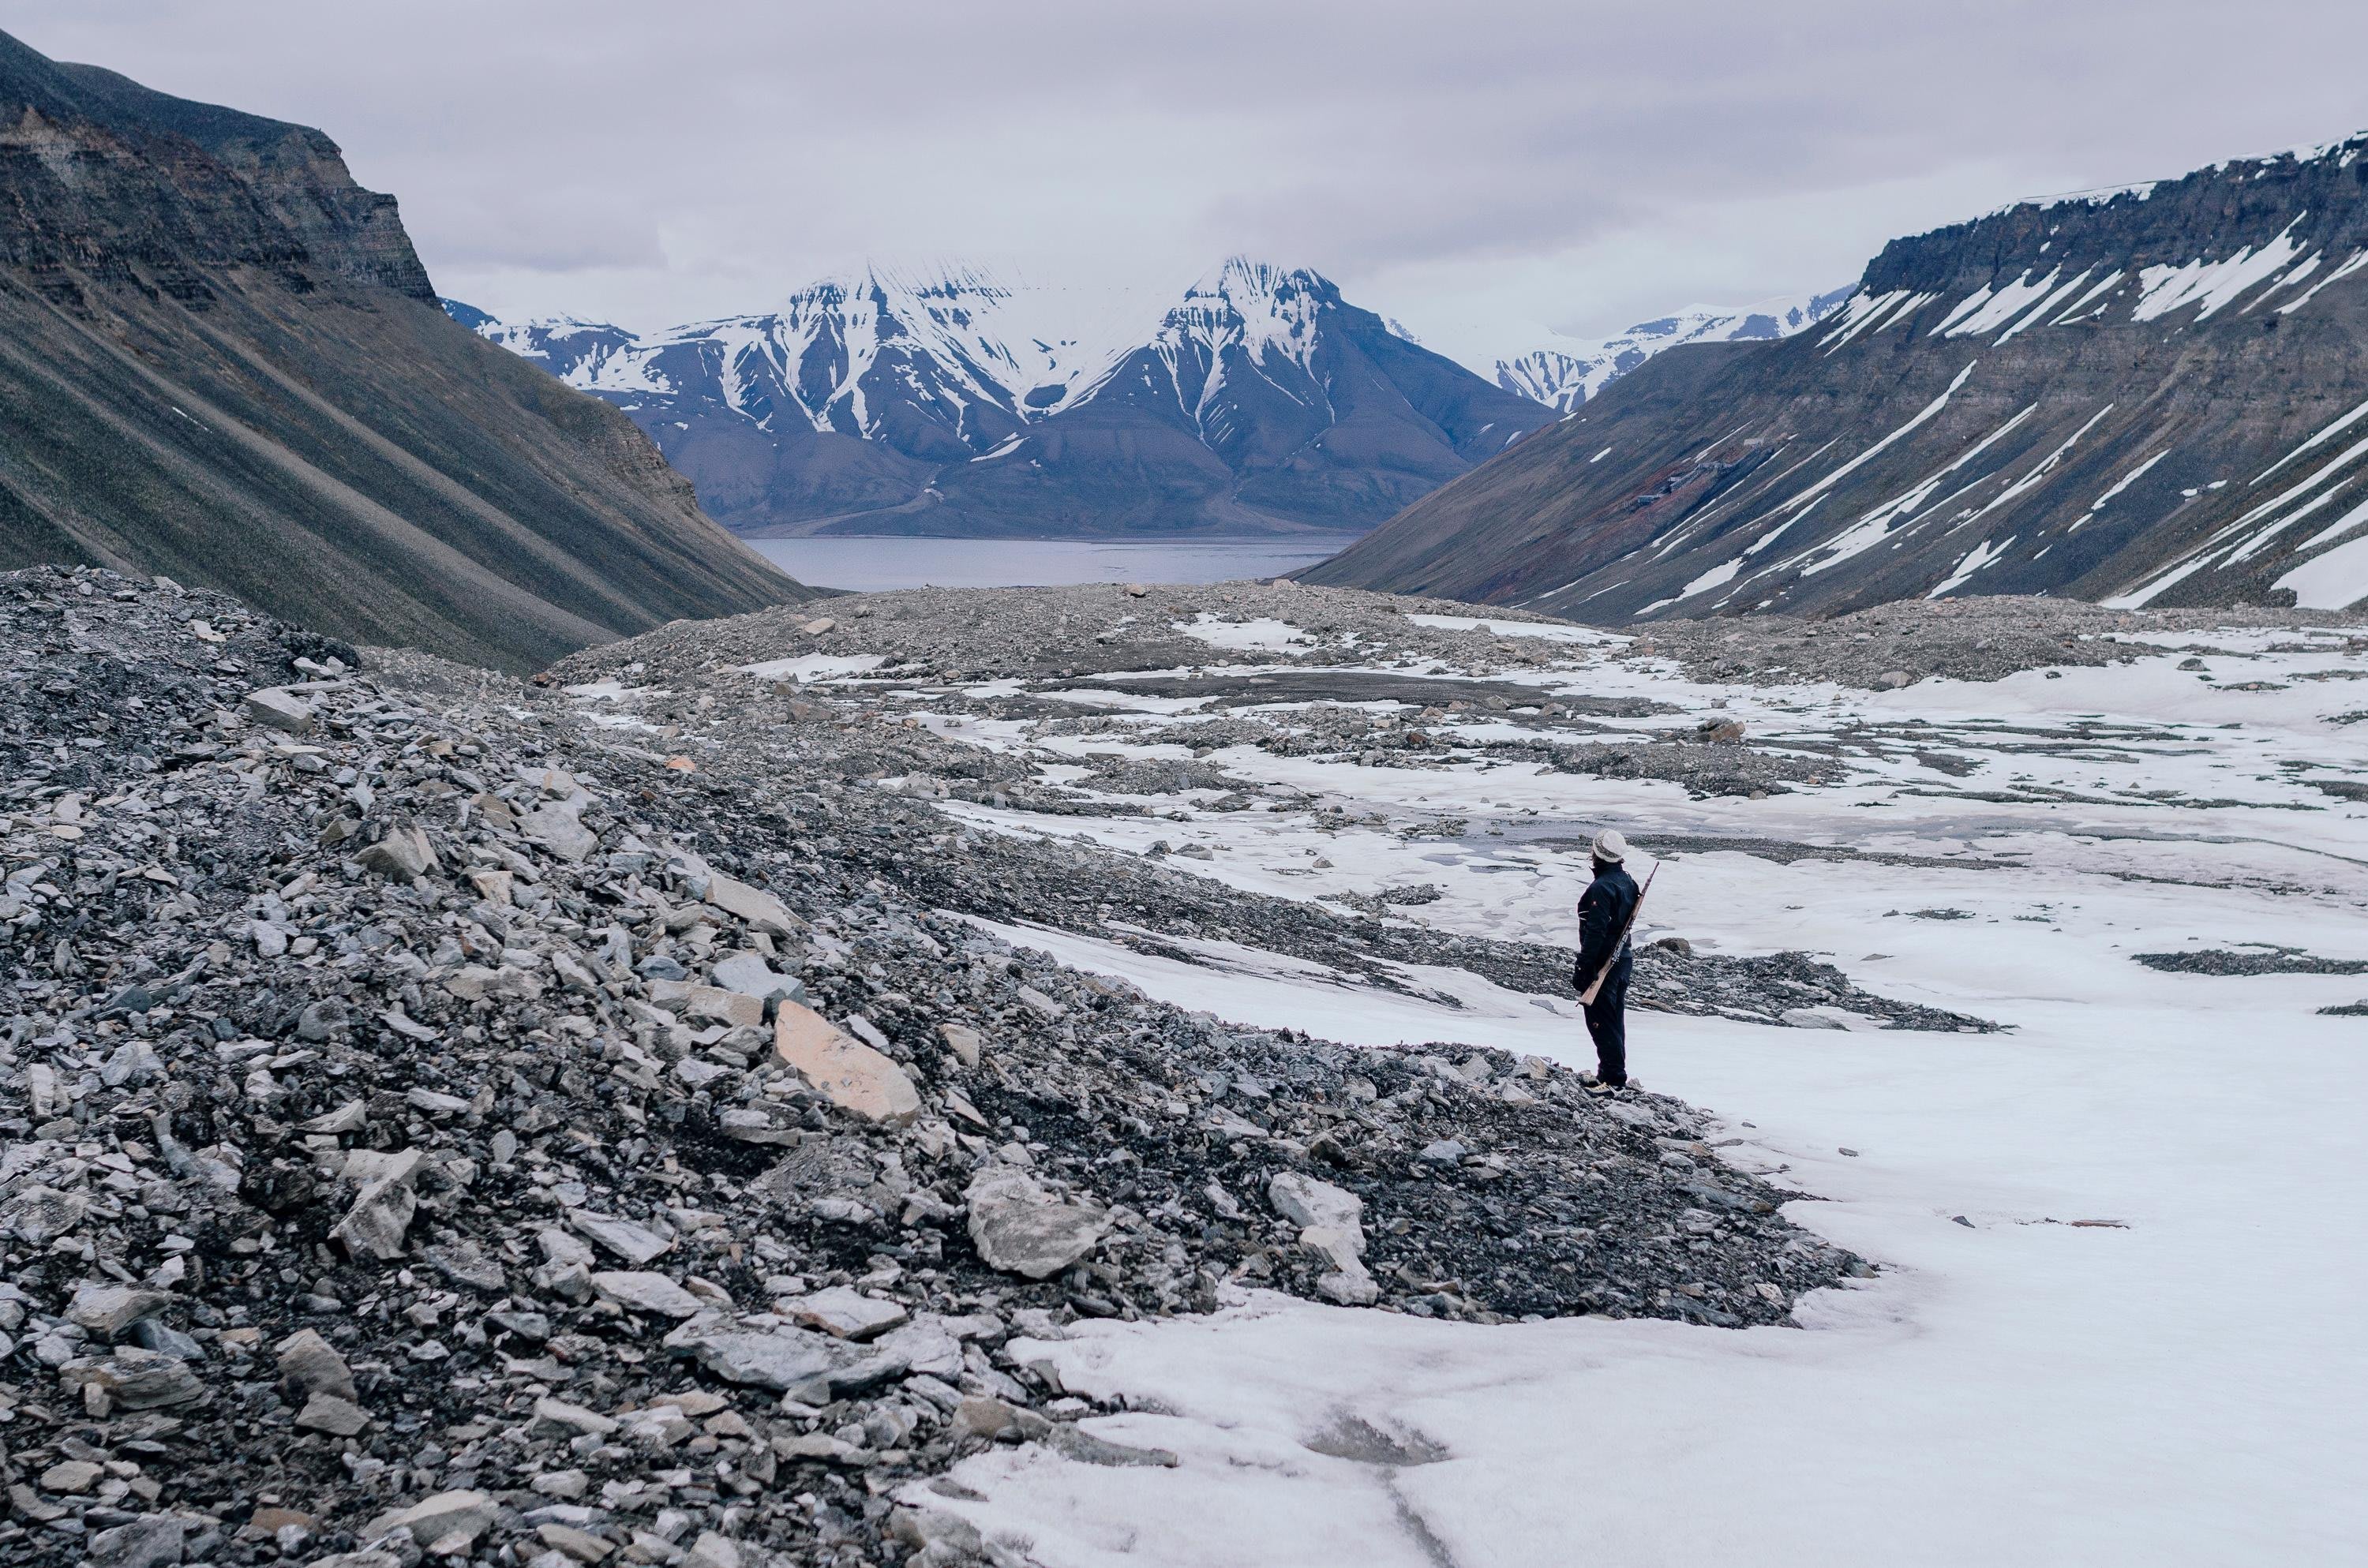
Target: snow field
{"x": 2175, "y": 1381}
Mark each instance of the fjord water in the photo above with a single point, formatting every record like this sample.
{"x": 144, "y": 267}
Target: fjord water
{"x": 878, "y": 564}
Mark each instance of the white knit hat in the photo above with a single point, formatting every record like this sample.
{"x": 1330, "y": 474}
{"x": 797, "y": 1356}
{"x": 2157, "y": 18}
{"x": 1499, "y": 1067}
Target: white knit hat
{"x": 1610, "y": 846}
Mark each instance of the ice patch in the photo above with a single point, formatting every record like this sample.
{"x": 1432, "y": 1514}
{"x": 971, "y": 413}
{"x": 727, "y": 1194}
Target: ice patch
{"x": 1263, "y": 634}
{"x": 1585, "y": 634}
{"x": 815, "y": 666}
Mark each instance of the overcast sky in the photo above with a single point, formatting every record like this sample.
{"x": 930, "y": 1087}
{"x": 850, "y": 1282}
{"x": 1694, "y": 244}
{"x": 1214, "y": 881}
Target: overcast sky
{"x": 1487, "y": 175}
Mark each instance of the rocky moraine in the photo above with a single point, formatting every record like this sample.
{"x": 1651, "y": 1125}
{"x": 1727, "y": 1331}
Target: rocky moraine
{"x": 443, "y": 1122}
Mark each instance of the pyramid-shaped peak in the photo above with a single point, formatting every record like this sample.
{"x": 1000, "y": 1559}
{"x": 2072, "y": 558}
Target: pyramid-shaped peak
{"x": 1243, "y": 279}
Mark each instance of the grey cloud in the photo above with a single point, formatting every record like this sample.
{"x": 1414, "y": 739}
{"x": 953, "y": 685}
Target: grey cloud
{"x": 1480, "y": 171}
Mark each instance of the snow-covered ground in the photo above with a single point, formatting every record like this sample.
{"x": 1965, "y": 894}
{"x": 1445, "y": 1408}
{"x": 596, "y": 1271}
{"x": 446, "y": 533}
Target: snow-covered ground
{"x": 2118, "y": 1315}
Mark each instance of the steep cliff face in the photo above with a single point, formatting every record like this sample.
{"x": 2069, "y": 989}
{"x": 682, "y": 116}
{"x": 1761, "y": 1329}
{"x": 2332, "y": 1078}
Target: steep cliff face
{"x": 222, "y": 360}
{"x": 111, "y": 180}
{"x": 2150, "y": 395}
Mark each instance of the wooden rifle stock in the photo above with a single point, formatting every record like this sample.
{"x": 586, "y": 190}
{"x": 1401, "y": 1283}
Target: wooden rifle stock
{"x": 1586, "y": 997}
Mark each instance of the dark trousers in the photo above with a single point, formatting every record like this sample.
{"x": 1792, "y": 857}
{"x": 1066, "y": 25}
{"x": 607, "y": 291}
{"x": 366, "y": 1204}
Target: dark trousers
{"x": 1607, "y": 1021}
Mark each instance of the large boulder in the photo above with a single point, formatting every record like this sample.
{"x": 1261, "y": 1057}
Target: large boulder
{"x": 377, "y": 1224}
{"x": 1331, "y": 1222}
{"x": 108, "y": 1308}
{"x": 403, "y": 855}
{"x": 1021, "y": 1228}
{"x": 310, "y": 1365}
{"x": 801, "y": 1362}
{"x": 457, "y": 1517}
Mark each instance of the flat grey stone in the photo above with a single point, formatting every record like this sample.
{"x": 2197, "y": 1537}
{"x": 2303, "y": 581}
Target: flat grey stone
{"x": 135, "y": 1378}
{"x": 801, "y": 1362}
{"x": 465, "y": 1514}
{"x": 754, "y": 906}
{"x": 376, "y": 1224}
{"x": 1304, "y": 1200}
{"x": 752, "y": 974}
{"x": 337, "y": 1418}
{"x": 643, "y": 1292}
{"x": 151, "y": 1541}
{"x": 634, "y": 1243}
{"x": 280, "y": 710}
{"x": 403, "y": 855}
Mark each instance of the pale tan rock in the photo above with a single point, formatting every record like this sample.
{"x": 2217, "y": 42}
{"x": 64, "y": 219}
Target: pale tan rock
{"x": 71, "y": 1477}
{"x": 843, "y": 1313}
{"x": 851, "y": 1074}
{"x": 963, "y": 1042}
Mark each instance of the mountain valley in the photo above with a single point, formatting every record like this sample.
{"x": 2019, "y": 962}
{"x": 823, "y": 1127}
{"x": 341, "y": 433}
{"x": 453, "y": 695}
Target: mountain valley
{"x": 530, "y": 1039}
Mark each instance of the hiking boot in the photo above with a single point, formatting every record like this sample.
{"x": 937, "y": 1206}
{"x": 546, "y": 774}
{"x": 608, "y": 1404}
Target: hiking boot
{"x": 1597, "y": 1086}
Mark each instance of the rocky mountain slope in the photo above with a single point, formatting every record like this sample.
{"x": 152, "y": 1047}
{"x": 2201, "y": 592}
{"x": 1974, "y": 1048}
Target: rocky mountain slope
{"x": 961, "y": 404}
{"x": 221, "y": 359}
{"x": 447, "y": 1117}
{"x": 2152, "y": 395}
{"x": 1566, "y": 373}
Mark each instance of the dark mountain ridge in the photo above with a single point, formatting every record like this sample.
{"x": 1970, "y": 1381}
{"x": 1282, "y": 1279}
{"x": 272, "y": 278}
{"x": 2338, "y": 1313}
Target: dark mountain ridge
{"x": 2149, "y": 395}
{"x": 222, "y": 360}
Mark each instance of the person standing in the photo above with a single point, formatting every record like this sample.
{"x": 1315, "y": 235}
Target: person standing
{"x": 1604, "y": 911}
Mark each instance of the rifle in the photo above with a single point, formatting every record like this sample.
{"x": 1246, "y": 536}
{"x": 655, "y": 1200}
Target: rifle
{"x": 1586, "y": 997}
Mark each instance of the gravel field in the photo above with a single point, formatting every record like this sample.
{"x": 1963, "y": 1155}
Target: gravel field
{"x": 441, "y": 1119}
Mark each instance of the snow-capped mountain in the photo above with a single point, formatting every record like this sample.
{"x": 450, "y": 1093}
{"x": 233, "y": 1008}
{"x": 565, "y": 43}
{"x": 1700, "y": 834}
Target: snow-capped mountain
{"x": 954, "y": 402}
{"x": 1565, "y": 373}
{"x": 2153, "y": 395}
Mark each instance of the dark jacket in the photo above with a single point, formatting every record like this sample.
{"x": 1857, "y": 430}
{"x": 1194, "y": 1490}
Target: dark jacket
{"x": 1603, "y": 913}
